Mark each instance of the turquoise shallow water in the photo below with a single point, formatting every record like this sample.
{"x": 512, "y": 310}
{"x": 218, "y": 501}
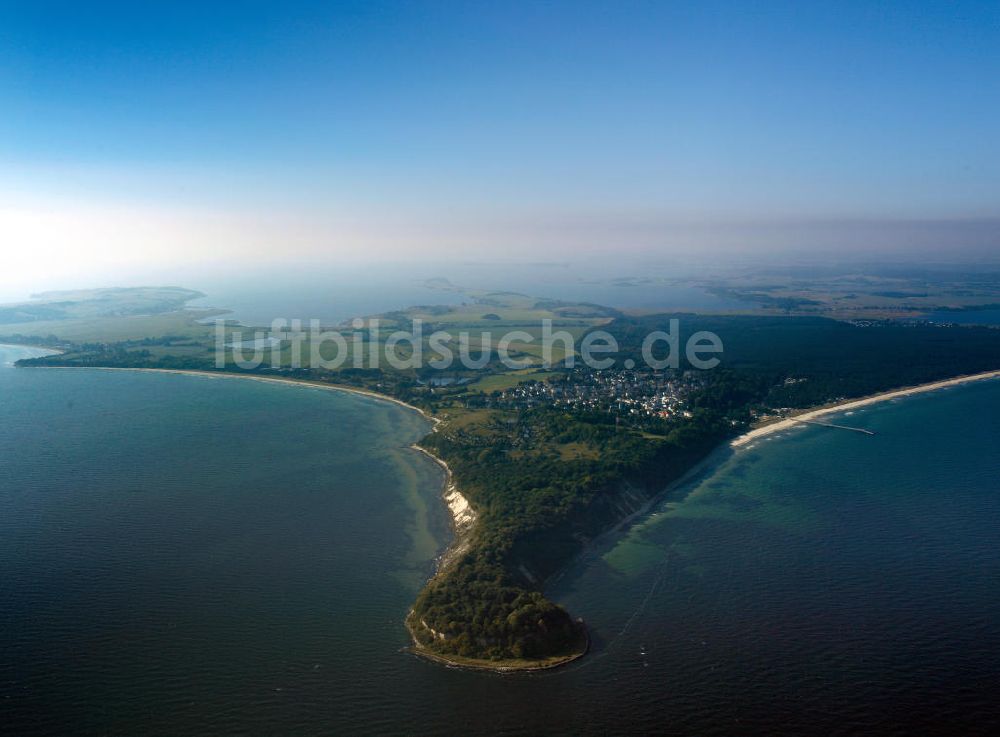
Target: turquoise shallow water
{"x": 182, "y": 555}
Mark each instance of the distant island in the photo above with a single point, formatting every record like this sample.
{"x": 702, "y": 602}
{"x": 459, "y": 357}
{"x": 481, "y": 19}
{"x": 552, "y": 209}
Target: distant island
{"x": 46, "y": 308}
{"x": 542, "y": 459}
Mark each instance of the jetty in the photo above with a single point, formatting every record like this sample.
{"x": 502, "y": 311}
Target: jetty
{"x": 839, "y": 427}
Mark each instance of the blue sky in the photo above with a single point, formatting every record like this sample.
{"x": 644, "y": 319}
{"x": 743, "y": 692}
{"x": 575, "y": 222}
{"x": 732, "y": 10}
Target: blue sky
{"x": 422, "y": 123}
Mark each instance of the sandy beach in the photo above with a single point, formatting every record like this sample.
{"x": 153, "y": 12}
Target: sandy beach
{"x": 463, "y": 516}
{"x": 798, "y": 419}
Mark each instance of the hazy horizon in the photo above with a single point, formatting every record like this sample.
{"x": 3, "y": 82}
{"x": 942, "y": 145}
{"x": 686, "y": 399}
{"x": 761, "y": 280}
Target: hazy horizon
{"x": 142, "y": 144}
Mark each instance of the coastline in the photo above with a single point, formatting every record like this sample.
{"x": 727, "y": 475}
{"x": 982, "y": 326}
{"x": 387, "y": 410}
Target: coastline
{"x": 707, "y": 465}
{"x": 464, "y": 517}
{"x": 255, "y": 377}
{"x": 462, "y": 514}
{"x": 810, "y": 414}
{"x": 502, "y": 666}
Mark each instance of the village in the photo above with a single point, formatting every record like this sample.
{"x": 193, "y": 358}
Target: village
{"x": 623, "y": 393}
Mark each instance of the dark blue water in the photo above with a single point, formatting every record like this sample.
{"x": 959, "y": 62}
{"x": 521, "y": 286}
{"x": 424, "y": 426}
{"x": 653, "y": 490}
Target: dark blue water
{"x": 181, "y": 555}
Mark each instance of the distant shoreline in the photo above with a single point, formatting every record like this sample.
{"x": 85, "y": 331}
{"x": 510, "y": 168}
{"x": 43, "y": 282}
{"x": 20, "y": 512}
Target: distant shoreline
{"x": 810, "y": 414}
{"x": 50, "y": 351}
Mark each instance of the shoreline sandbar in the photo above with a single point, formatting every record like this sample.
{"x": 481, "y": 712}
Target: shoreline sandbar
{"x": 796, "y": 420}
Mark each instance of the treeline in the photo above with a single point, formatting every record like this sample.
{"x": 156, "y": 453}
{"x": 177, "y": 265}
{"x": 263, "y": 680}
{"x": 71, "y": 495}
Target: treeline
{"x": 823, "y": 359}
{"x": 41, "y": 340}
{"x": 117, "y": 355}
{"x": 536, "y": 511}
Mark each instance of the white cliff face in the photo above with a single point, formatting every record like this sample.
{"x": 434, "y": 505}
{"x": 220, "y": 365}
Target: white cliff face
{"x": 461, "y": 511}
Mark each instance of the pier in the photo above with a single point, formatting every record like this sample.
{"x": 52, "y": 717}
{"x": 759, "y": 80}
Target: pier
{"x": 839, "y": 427}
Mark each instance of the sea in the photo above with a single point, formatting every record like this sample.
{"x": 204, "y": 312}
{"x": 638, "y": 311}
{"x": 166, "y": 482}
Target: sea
{"x": 336, "y": 295}
{"x": 184, "y": 555}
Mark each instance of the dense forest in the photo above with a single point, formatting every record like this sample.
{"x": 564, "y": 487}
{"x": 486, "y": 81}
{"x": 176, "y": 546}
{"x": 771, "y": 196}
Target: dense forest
{"x": 536, "y": 511}
{"x": 828, "y": 359}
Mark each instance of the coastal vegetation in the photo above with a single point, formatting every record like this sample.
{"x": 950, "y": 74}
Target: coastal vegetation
{"x": 550, "y": 457}
{"x": 536, "y": 510}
